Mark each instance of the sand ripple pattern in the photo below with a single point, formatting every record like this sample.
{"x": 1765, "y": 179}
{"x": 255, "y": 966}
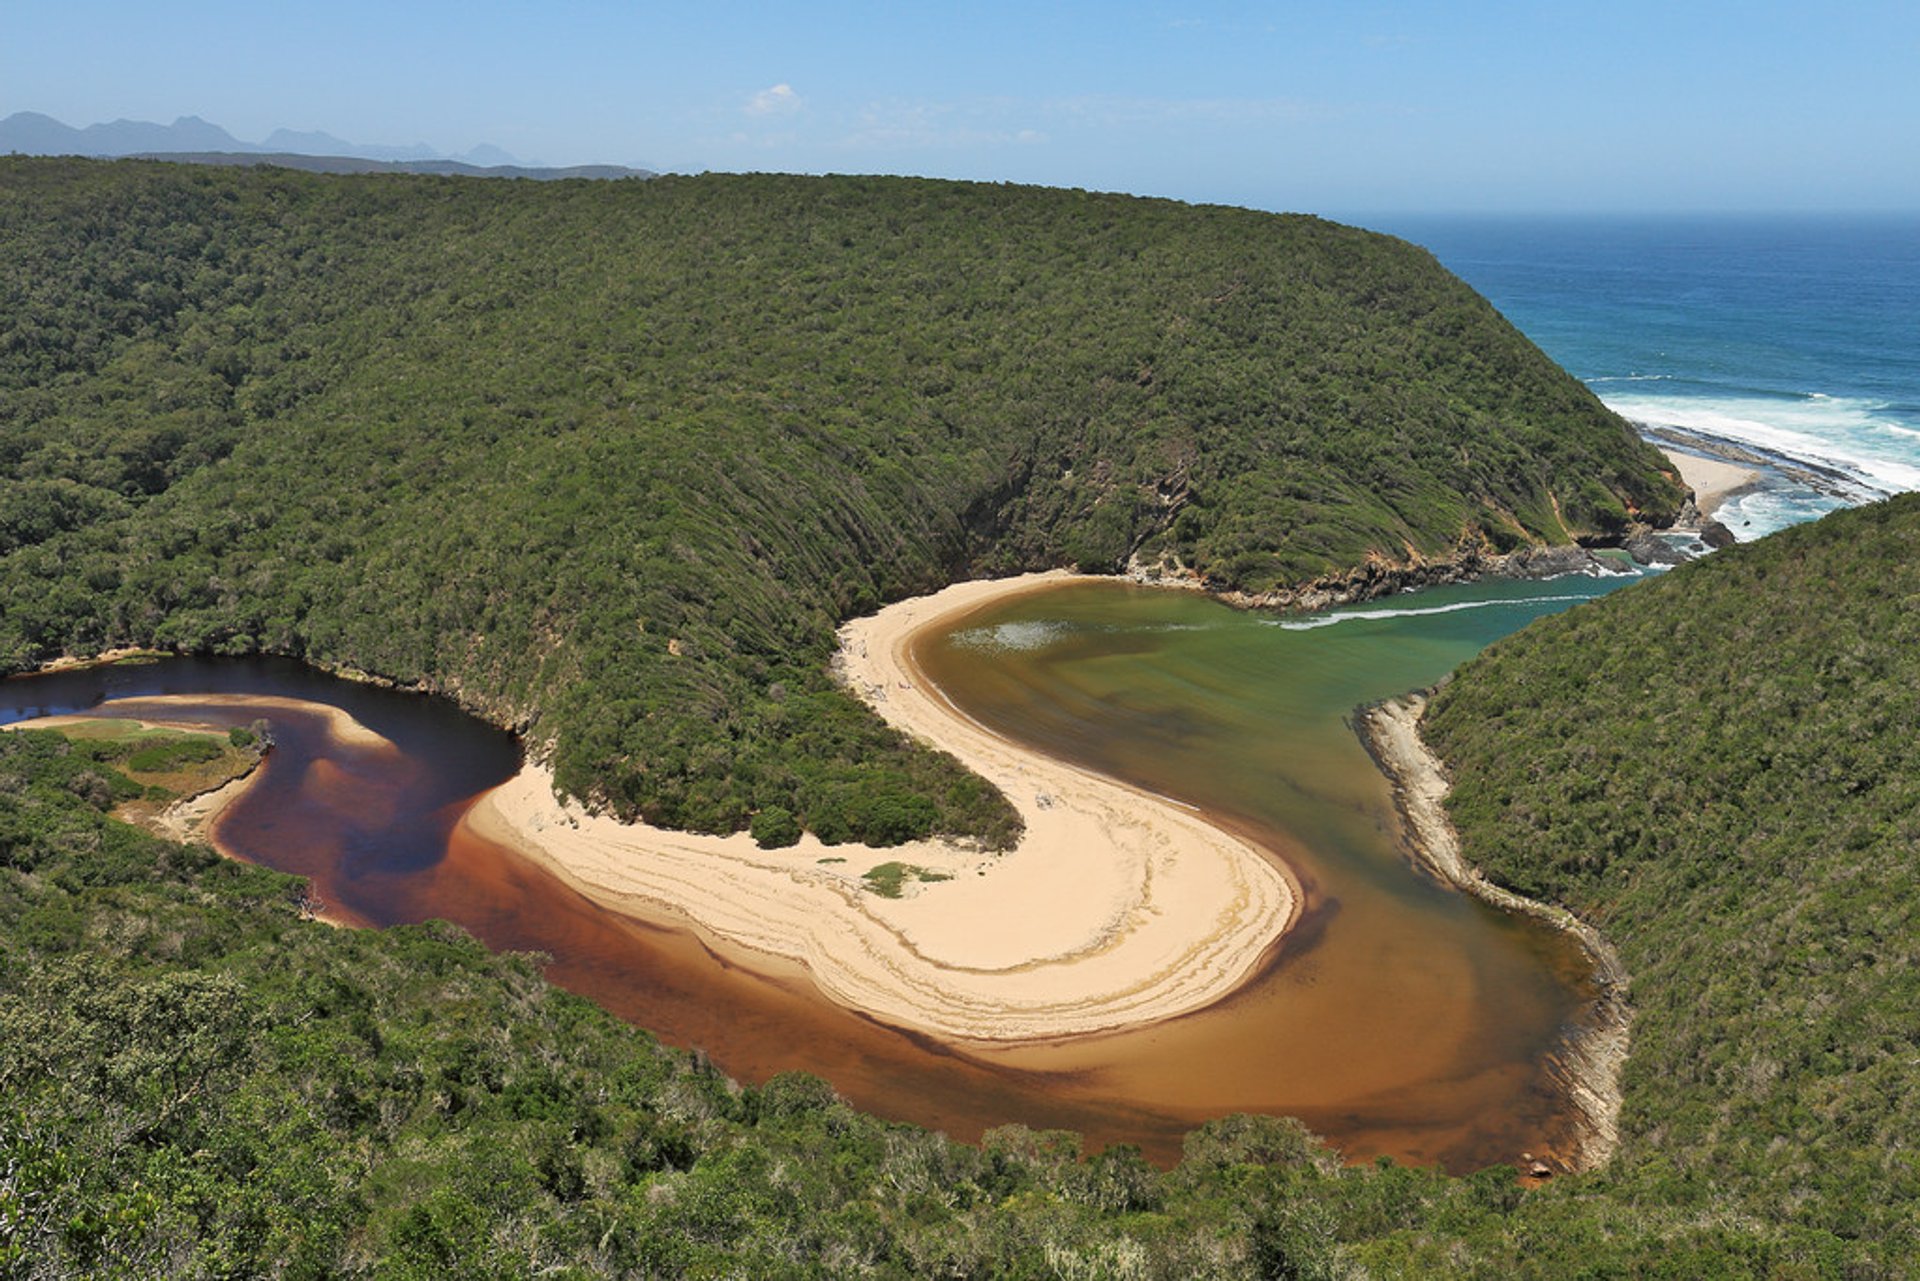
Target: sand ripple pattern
{"x": 1118, "y": 908}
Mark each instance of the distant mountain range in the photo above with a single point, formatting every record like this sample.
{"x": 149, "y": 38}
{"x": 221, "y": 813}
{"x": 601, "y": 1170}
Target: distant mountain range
{"x": 195, "y": 141}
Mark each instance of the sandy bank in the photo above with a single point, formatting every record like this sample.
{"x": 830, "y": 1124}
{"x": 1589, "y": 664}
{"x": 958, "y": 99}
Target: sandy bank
{"x": 1118, "y": 908}
{"x": 342, "y": 727}
{"x": 1712, "y": 480}
{"x": 1588, "y": 1061}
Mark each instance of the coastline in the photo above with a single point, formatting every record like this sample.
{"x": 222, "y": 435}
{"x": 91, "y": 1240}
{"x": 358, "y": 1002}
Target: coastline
{"x": 1712, "y": 480}
{"x": 1117, "y": 909}
{"x": 1588, "y": 1060}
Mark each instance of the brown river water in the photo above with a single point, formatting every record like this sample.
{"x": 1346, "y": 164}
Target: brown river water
{"x": 1397, "y": 1018}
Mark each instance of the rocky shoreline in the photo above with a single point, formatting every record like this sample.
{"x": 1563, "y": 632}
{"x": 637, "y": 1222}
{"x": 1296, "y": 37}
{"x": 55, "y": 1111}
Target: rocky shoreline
{"x": 1830, "y": 481}
{"x": 1379, "y": 577}
{"x": 1592, "y": 1050}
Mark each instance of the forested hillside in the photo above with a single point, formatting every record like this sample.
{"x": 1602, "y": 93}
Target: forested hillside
{"x": 610, "y": 460}
{"x": 196, "y": 1082}
{"x": 1721, "y": 770}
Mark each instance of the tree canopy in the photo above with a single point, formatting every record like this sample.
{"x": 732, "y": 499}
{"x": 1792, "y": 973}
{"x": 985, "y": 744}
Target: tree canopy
{"x": 1721, "y": 770}
{"x": 197, "y": 1081}
{"x": 610, "y": 460}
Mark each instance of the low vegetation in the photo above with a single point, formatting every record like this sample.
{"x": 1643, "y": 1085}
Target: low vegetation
{"x": 609, "y": 461}
{"x": 890, "y": 879}
{"x": 153, "y": 767}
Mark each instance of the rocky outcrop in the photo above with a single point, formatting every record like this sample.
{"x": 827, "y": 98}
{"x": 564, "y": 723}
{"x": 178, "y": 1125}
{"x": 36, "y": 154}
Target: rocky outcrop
{"x": 1649, "y": 549}
{"x": 1382, "y": 577}
{"x": 1548, "y": 562}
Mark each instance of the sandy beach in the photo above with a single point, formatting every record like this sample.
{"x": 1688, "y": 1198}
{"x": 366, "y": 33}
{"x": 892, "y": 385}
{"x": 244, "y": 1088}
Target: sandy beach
{"x": 1118, "y": 908}
{"x": 1712, "y": 480}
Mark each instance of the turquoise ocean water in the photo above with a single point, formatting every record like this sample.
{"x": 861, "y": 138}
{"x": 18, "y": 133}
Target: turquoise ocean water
{"x": 1797, "y": 338}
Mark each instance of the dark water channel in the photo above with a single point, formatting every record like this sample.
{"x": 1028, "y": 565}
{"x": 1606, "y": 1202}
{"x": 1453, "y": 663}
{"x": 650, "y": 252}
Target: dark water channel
{"x": 1398, "y": 1018}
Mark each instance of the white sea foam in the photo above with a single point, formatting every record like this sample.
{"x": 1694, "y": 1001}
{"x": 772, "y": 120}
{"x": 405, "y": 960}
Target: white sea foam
{"x": 1852, "y": 436}
{"x": 1763, "y": 511}
{"x": 1359, "y": 615}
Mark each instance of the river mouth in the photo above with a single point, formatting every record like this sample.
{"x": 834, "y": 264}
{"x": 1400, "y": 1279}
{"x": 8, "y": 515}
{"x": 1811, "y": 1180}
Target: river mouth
{"x": 1396, "y": 1019}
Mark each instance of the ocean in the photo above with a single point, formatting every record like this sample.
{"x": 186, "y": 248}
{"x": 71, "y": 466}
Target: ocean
{"x": 1792, "y": 341}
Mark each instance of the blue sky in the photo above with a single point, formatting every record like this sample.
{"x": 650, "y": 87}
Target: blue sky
{"x": 1318, "y": 106}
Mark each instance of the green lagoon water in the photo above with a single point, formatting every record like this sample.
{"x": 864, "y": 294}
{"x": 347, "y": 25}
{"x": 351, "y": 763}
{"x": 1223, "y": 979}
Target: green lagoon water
{"x": 1399, "y": 1016}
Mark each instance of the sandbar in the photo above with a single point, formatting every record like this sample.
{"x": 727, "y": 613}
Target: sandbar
{"x": 342, "y": 727}
{"x": 1118, "y": 908}
{"x": 1712, "y": 480}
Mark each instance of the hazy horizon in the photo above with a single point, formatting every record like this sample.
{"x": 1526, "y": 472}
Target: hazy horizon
{"x": 1389, "y": 109}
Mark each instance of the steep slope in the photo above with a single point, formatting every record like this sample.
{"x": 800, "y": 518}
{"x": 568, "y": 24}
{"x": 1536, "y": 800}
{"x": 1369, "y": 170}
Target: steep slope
{"x": 1721, "y": 770}
{"x": 610, "y": 460}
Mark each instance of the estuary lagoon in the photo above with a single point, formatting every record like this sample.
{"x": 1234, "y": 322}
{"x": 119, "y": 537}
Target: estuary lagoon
{"x": 1396, "y": 1018}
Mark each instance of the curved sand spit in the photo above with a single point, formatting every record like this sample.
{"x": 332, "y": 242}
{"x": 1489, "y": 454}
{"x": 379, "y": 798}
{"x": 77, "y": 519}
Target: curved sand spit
{"x": 342, "y": 727}
{"x": 1118, "y": 908}
{"x": 1592, "y": 1049}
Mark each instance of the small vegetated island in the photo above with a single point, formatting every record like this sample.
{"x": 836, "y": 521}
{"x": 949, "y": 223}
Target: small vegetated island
{"x": 610, "y": 463}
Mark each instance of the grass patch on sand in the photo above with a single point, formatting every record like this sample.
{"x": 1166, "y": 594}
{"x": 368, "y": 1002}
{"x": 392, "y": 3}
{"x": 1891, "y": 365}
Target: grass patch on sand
{"x": 167, "y": 763}
{"x": 889, "y": 880}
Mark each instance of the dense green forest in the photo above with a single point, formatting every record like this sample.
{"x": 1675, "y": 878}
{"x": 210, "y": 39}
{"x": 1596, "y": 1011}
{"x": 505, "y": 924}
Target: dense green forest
{"x": 609, "y": 461}
{"x": 196, "y": 1081}
{"x": 1721, "y": 770}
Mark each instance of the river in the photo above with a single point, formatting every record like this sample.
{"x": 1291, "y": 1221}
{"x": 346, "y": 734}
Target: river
{"x": 1398, "y": 1018}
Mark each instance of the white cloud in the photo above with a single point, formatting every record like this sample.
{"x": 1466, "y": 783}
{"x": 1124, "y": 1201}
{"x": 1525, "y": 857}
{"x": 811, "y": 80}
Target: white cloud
{"x": 780, "y": 100}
